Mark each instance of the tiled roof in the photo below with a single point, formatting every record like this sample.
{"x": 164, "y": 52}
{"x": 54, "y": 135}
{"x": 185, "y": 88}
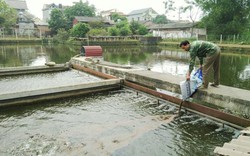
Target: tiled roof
{"x": 17, "y": 4}
{"x": 91, "y": 19}
{"x": 140, "y": 11}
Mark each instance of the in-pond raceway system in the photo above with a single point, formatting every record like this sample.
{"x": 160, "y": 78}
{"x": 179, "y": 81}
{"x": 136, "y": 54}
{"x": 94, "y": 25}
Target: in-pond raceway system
{"x": 121, "y": 131}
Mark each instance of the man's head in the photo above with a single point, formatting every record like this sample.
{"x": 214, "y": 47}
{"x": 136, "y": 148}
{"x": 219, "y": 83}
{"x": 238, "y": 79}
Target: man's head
{"x": 185, "y": 45}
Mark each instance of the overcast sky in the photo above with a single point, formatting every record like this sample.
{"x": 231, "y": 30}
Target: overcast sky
{"x": 125, "y": 6}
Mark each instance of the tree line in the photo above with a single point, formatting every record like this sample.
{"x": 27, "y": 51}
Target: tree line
{"x": 225, "y": 17}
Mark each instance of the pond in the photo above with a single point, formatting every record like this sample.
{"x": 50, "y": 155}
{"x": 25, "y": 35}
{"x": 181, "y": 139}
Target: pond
{"x": 235, "y": 64}
{"x": 119, "y": 123}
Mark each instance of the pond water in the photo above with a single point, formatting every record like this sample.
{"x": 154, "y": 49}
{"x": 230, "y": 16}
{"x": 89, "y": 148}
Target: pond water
{"x": 235, "y": 64}
{"x": 119, "y": 123}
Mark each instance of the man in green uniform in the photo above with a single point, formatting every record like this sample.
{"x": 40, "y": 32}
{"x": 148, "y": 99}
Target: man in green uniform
{"x": 211, "y": 55}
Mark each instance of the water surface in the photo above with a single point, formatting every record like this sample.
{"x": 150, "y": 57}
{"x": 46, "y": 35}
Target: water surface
{"x": 235, "y": 63}
{"x": 118, "y": 122}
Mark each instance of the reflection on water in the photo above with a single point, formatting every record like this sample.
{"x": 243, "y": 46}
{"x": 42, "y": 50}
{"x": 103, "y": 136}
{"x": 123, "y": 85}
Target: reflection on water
{"x": 31, "y": 55}
{"x": 39, "y": 60}
{"x": 245, "y": 74}
{"x": 113, "y": 123}
{"x": 234, "y": 71}
{"x": 234, "y": 67}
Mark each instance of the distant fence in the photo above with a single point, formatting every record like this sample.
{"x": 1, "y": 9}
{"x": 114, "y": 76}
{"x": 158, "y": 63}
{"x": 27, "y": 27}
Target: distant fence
{"x": 233, "y": 39}
{"x": 24, "y": 33}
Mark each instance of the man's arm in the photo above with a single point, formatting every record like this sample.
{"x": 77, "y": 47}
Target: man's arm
{"x": 191, "y": 67}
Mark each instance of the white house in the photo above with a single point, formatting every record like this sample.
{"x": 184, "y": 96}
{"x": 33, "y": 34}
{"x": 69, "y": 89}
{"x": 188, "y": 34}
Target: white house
{"x": 47, "y": 8}
{"x": 177, "y": 30}
{"x": 107, "y": 14}
{"x": 147, "y": 14}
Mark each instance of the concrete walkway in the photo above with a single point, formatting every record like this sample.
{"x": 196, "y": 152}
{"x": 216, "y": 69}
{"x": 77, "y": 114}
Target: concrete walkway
{"x": 234, "y": 99}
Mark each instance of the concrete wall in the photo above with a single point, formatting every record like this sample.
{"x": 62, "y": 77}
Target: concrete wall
{"x": 231, "y": 99}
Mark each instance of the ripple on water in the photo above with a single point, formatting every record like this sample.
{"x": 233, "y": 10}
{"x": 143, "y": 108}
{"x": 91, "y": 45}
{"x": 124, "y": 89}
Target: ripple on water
{"x": 114, "y": 123}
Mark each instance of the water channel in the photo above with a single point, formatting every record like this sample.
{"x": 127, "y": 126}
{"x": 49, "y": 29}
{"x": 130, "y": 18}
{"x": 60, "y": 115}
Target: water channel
{"x": 119, "y": 122}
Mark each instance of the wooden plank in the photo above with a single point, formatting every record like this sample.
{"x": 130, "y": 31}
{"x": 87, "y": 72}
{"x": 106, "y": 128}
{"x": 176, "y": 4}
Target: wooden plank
{"x": 243, "y": 137}
{"x": 240, "y": 142}
{"x": 236, "y": 147}
{"x": 228, "y": 152}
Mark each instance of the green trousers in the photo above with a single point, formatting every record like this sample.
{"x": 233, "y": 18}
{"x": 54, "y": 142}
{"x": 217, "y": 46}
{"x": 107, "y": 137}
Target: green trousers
{"x": 212, "y": 62}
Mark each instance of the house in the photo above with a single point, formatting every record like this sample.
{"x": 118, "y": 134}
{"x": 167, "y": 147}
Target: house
{"x": 25, "y": 24}
{"x": 147, "y": 14}
{"x": 20, "y": 6}
{"x": 177, "y": 30}
{"x": 42, "y": 28}
{"x": 85, "y": 19}
{"x": 47, "y": 8}
{"x": 108, "y": 13}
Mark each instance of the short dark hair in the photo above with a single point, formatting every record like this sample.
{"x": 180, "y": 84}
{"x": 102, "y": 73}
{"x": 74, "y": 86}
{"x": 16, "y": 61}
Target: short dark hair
{"x": 184, "y": 43}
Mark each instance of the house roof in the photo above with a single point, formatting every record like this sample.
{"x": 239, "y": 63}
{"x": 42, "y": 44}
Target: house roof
{"x": 174, "y": 25}
{"x": 92, "y": 19}
{"x": 112, "y": 11}
{"x": 17, "y": 4}
{"x": 53, "y": 5}
{"x": 140, "y": 11}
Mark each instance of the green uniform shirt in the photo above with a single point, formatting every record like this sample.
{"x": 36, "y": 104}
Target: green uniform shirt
{"x": 200, "y": 49}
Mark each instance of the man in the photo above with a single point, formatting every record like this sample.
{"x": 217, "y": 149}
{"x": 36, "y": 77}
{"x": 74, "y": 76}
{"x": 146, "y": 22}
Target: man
{"x": 211, "y": 55}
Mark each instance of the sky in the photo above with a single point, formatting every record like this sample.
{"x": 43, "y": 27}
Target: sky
{"x": 125, "y": 6}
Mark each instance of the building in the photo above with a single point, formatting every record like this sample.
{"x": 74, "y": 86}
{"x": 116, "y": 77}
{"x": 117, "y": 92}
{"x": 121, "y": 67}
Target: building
{"x": 147, "y": 14}
{"x": 47, "y": 8}
{"x": 85, "y": 19}
{"x": 108, "y": 13}
{"x": 25, "y": 24}
{"x": 177, "y": 30}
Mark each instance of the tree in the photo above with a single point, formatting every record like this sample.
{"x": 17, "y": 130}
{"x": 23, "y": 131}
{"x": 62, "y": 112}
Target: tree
{"x": 96, "y": 24}
{"x": 137, "y": 28}
{"x": 169, "y": 6}
{"x": 8, "y": 16}
{"x": 134, "y": 27}
{"x": 225, "y": 16}
{"x": 143, "y": 30}
{"x": 192, "y": 8}
{"x": 125, "y": 31}
{"x": 79, "y": 30}
{"x": 117, "y": 18}
{"x": 123, "y": 28}
{"x": 79, "y": 9}
{"x": 97, "y": 32}
{"x": 62, "y": 35}
{"x": 57, "y": 21}
{"x": 160, "y": 19}
{"x": 113, "y": 31}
